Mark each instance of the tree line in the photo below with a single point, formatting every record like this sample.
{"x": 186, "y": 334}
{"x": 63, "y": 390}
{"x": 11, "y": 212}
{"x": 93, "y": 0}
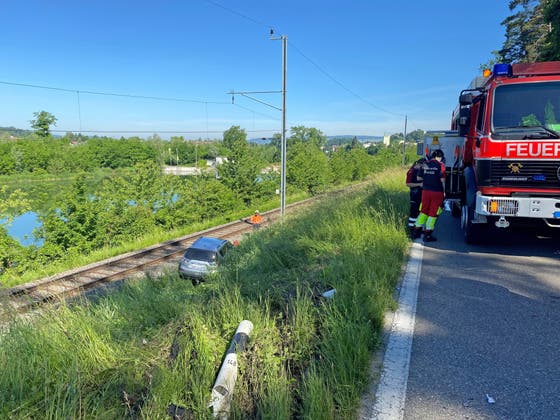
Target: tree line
{"x": 125, "y": 205}
{"x": 532, "y": 33}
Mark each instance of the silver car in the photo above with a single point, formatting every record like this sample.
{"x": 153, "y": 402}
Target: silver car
{"x": 203, "y": 258}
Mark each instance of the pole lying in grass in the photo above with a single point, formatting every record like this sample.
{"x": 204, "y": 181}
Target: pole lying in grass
{"x": 222, "y": 391}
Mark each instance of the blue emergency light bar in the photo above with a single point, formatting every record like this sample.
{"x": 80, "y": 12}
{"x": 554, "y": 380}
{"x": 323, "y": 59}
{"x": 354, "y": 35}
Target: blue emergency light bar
{"x": 502, "y": 70}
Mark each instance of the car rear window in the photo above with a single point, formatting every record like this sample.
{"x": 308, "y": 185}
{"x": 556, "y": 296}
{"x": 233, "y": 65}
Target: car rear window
{"x": 200, "y": 255}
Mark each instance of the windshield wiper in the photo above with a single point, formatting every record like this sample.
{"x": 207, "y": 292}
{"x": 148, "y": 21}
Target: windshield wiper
{"x": 530, "y": 131}
{"x": 542, "y": 131}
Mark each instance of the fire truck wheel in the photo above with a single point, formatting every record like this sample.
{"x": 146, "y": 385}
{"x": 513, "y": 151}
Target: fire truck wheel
{"x": 455, "y": 209}
{"x": 471, "y": 231}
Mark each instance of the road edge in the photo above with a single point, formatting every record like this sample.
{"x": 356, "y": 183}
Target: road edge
{"x": 386, "y": 397}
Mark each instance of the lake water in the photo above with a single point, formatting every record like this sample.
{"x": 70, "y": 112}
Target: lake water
{"x": 22, "y": 229}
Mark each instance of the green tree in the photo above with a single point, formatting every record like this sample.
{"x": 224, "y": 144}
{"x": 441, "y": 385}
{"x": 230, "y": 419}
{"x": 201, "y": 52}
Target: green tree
{"x": 276, "y": 145}
{"x": 71, "y": 227}
{"x": 234, "y": 138}
{"x": 396, "y": 138}
{"x": 12, "y": 204}
{"x": 42, "y": 123}
{"x": 355, "y": 144}
{"x": 551, "y": 18}
{"x": 307, "y": 167}
{"x": 525, "y": 32}
{"x": 340, "y": 168}
{"x": 416, "y": 135}
{"x": 306, "y": 135}
{"x": 240, "y": 172}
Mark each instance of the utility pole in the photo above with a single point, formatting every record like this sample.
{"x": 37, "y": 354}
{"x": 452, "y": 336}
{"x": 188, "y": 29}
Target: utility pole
{"x": 404, "y": 143}
{"x": 284, "y": 39}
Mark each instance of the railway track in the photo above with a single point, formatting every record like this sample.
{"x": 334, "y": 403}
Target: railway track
{"x": 27, "y": 296}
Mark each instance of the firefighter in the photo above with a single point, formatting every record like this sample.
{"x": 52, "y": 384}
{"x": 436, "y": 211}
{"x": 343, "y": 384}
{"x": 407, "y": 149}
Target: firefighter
{"x": 432, "y": 175}
{"x": 415, "y": 186}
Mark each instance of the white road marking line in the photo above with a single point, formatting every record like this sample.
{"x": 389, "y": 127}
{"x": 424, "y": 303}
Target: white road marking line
{"x": 391, "y": 392}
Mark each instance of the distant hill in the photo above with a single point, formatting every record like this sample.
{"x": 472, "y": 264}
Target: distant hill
{"x": 362, "y": 139}
{"x": 332, "y": 139}
{"x": 6, "y": 132}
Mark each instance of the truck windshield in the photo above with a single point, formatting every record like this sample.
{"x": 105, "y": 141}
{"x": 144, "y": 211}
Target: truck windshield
{"x": 527, "y": 111}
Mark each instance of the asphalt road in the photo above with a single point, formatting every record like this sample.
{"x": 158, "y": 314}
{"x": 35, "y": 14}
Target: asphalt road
{"x": 487, "y": 323}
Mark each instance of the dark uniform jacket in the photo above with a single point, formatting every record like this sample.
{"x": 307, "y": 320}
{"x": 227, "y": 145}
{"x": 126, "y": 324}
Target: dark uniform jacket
{"x": 432, "y": 173}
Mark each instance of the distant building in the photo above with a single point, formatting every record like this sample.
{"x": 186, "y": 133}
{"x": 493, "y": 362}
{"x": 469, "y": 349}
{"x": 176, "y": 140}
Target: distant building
{"x": 386, "y": 139}
{"x": 181, "y": 170}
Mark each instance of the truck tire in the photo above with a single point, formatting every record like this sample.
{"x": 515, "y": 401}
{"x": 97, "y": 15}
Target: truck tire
{"x": 456, "y": 209}
{"x": 471, "y": 231}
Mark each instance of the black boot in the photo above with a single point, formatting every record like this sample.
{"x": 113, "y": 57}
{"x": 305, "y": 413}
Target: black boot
{"x": 428, "y": 237}
{"x": 410, "y": 231}
{"x": 416, "y": 233}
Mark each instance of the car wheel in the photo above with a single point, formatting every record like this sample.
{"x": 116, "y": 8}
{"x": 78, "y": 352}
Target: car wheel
{"x": 195, "y": 282}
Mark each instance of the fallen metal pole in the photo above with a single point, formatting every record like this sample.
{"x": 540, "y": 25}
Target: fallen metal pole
{"x": 222, "y": 391}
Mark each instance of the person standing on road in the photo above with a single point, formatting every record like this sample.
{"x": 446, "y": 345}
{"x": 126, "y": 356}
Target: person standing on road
{"x": 432, "y": 175}
{"x": 415, "y": 186}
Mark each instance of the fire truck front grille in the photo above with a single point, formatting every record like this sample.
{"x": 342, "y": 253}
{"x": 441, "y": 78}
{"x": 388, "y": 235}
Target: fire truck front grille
{"x": 522, "y": 173}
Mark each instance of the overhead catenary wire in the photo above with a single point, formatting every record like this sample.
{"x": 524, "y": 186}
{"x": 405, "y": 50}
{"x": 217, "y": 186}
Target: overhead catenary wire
{"x": 244, "y": 16}
{"x": 80, "y": 92}
{"x": 317, "y": 66}
{"x": 256, "y": 112}
{"x": 123, "y": 95}
{"x": 157, "y": 131}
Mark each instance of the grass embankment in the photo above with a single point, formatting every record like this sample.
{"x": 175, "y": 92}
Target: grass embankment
{"x": 161, "y": 341}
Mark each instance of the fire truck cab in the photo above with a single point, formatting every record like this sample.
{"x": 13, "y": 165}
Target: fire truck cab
{"x": 509, "y": 164}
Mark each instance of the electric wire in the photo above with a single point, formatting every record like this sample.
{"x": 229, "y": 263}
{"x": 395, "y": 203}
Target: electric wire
{"x": 256, "y": 112}
{"x": 318, "y": 67}
{"x": 78, "y": 92}
{"x": 156, "y": 131}
{"x": 124, "y": 95}
{"x": 249, "y": 18}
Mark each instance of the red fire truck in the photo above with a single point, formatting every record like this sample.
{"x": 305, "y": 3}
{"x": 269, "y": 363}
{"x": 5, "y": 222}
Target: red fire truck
{"x": 508, "y": 167}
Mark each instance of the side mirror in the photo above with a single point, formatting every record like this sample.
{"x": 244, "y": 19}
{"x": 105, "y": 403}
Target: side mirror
{"x": 466, "y": 99}
{"x": 419, "y": 149}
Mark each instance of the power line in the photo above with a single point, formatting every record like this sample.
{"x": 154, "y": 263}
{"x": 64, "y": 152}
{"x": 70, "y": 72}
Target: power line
{"x": 90, "y": 92}
{"x": 255, "y": 112}
{"x": 249, "y": 18}
{"x": 155, "y": 131}
{"x": 318, "y": 67}
{"x": 260, "y": 23}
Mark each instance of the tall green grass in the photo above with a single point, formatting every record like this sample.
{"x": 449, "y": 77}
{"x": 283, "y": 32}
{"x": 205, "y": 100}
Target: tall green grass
{"x": 157, "y": 342}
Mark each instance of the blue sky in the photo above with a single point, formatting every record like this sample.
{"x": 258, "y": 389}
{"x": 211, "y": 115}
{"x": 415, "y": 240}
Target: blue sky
{"x": 354, "y": 67}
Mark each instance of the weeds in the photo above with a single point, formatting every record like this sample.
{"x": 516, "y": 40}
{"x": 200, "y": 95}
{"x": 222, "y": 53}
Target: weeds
{"x": 158, "y": 343}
